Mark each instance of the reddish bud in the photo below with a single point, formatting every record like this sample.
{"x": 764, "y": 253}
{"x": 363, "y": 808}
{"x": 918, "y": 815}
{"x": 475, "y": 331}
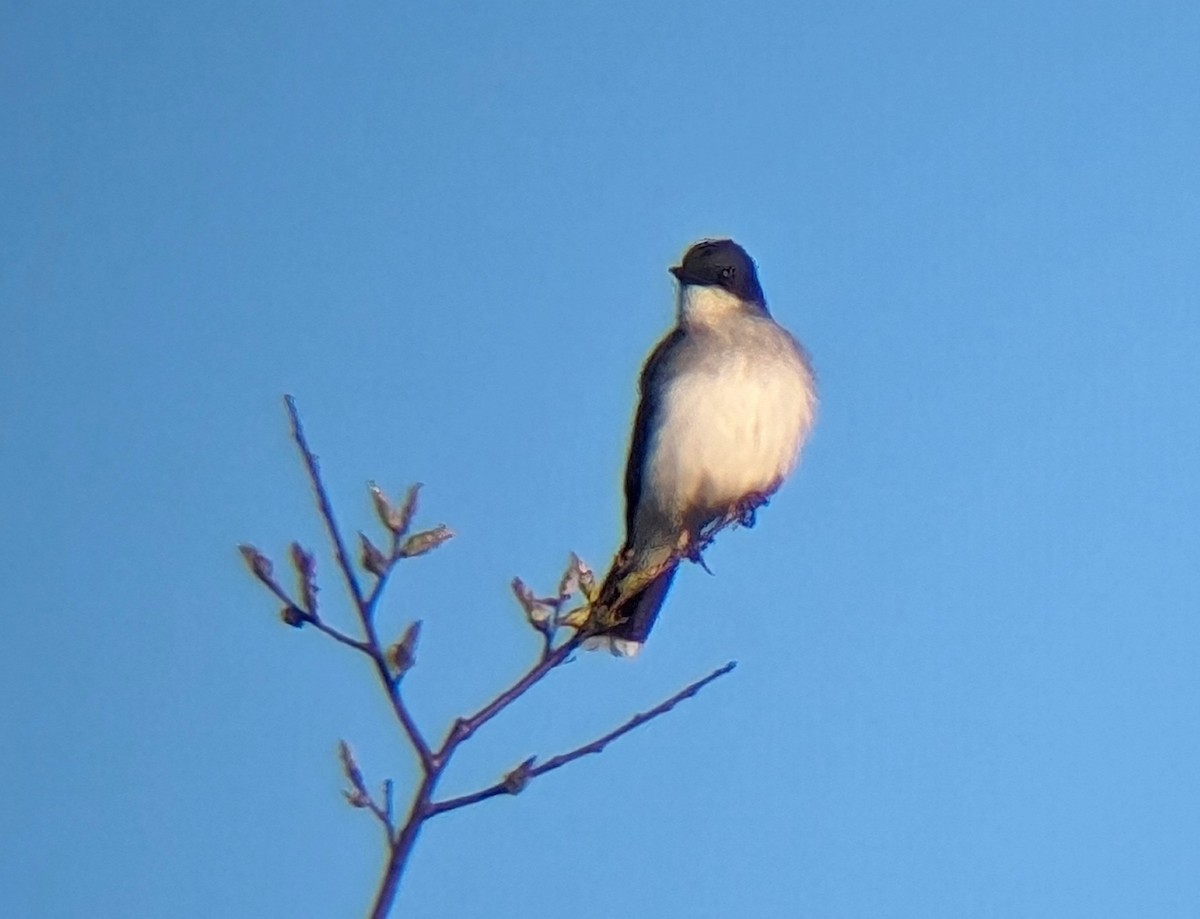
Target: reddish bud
{"x": 260, "y": 566}
{"x": 425, "y": 541}
{"x": 403, "y": 654}
{"x": 396, "y": 519}
{"x": 372, "y": 557}
{"x": 515, "y": 782}
{"x": 408, "y": 510}
{"x": 350, "y": 768}
{"x": 306, "y": 576}
{"x": 537, "y": 611}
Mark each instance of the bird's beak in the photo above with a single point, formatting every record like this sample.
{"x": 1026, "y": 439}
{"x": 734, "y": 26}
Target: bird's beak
{"x": 676, "y": 270}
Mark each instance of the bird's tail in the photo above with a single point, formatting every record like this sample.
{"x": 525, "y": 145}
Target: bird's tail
{"x": 628, "y": 604}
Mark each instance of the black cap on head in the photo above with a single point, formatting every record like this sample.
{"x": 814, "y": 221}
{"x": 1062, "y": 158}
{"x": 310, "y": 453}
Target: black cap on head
{"x": 721, "y": 263}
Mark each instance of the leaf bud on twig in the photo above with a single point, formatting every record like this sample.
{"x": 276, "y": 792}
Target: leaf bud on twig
{"x": 585, "y": 578}
{"x": 577, "y": 577}
{"x": 396, "y": 519}
{"x": 537, "y": 611}
{"x": 408, "y": 510}
{"x": 260, "y": 566}
{"x": 383, "y": 507}
{"x": 425, "y": 541}
{"x": 515, "y": 781}
{"x": 350, "y": 768}
{"x": 306, "y": 576}
{"x": 403, "y": 654}
{"x": 372, "y": 558}
{"x": 356, "y": 798}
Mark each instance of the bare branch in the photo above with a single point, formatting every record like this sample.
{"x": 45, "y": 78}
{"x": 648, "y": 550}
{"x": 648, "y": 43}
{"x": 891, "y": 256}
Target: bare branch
{"x": 360, "y": 646}
{"x": 465, "y": 727}
{"x": 363, "y": 606}
{"x": 323, "y": 504}
{"x": 562, "y": 630}
{"x": 528, "y": 771}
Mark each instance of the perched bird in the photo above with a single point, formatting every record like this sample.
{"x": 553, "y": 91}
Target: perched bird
{"x": 727, "y": 401}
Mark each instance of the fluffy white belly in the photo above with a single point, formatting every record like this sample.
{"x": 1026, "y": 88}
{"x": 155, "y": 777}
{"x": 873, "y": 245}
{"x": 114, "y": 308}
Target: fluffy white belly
{"x": 727, "y": 432}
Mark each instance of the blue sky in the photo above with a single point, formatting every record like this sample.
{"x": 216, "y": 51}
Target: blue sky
{"x": 967, "y": 630}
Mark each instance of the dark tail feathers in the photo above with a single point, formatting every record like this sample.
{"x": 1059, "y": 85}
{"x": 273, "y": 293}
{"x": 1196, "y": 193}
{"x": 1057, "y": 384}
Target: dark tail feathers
{"x": 641, "y": 609}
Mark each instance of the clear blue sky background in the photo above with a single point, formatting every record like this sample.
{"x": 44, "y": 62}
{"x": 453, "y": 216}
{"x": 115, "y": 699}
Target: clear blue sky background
{"x": 968, "y": 629}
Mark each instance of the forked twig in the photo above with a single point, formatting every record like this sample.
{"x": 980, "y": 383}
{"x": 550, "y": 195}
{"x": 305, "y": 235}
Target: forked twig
{"x": 548, "y": 616}
{"x": 532, "y": 771}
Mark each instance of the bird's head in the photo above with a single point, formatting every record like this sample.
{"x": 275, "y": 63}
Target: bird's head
{"x": 723, "y": 264}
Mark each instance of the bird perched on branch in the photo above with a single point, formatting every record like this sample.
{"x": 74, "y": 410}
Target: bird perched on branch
{"x": 727, "y": 401}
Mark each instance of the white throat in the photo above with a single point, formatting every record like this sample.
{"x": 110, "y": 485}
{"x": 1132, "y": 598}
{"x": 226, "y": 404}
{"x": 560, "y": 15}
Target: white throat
{"x": 705, "y": 305}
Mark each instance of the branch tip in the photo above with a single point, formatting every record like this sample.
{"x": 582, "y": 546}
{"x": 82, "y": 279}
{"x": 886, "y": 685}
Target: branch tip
{"x": 260, "y": 566}
{"x": 546, "y": 614}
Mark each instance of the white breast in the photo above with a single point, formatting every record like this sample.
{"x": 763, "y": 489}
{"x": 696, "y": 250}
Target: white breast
{"x": 731, "y": 424}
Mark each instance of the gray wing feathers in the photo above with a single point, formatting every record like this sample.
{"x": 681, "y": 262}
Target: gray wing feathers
{"x": 643, "y": 424}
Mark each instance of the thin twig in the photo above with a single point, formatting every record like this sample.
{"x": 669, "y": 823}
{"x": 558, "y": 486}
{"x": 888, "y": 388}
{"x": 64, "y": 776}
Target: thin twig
{"x": 382, "y": 817}
{"x": 596, "y": 746}
{"x": 360, "y": 646}
{"x": 465, "y": 727}
{"x": 323, "y": 504}
{"x": 372, "y": 645}
{"x": 415, "y": 737}
{"x": 390, "y": 667}
{"x": 462, "y": 728}
{"x": 381, "y": 581}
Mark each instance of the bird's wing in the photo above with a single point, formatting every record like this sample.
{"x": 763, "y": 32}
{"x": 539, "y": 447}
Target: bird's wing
{"x": 643, "y": 423}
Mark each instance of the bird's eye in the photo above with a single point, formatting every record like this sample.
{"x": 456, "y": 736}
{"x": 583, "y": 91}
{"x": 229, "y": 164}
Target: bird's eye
{"x": 728, "y": 273}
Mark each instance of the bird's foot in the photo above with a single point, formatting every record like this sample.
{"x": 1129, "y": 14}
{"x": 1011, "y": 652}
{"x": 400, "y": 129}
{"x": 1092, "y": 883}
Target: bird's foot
{"x": 744, "y": 511}
{"x": 692, "y": 546}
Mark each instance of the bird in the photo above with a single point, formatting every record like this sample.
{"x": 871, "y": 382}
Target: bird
{"x": 726, "y": 402}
